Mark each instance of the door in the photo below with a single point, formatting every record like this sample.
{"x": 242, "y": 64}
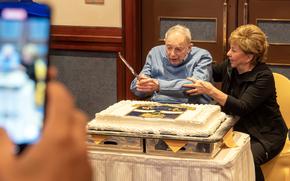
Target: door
{"x": 207, "y": 20}
{"x": 273, "y": 17}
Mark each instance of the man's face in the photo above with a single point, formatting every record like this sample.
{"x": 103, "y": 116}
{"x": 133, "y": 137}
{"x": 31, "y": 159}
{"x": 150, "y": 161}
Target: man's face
{"x": 176, "y": 48}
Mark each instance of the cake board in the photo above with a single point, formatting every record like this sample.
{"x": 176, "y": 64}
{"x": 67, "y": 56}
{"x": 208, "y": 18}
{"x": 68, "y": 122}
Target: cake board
{"x": 149, "y": 143}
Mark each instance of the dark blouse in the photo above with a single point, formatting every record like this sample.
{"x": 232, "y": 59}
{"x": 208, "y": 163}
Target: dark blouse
{"x": 252, "y": 97}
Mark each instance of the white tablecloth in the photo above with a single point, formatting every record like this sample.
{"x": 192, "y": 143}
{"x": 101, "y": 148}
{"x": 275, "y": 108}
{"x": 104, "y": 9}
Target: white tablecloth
{"x": 234, "y": 164}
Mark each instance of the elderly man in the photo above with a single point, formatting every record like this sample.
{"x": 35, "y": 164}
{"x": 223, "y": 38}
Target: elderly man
{"x": 168, "y": 66}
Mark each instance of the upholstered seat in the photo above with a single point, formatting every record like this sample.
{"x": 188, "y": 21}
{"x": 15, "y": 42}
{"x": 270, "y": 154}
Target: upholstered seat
{"x": 279, "y": 167}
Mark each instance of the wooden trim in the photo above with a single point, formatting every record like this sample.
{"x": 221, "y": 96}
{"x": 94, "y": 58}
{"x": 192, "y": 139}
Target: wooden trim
{"x": 131, "y": 18}
{"x": 94, "y": 1}
{"x": 121, "y": 80}
{"x": 106, "y": 39}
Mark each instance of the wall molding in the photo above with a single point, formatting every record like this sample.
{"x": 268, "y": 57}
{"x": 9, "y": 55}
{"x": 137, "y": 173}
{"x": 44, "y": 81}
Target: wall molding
{"x": 107, "y": 39}
{"x": 131, "y": 19}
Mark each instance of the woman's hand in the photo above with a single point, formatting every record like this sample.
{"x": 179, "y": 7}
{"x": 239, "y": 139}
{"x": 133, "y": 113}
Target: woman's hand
{"x": 199, "y": 87}
{"x": 202, "y": 87}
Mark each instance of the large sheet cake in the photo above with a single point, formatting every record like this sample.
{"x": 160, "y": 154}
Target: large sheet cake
{"x": 145, "y": 117}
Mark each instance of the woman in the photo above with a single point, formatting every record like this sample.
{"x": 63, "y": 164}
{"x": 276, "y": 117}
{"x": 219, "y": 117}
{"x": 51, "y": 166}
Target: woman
{"x": 248, "y": 91}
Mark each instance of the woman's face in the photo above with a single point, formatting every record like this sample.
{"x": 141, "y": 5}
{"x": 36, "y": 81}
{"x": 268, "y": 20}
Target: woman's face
{"x": 238, "y": 58}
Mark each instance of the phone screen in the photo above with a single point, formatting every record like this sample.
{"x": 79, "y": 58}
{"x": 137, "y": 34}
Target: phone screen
{"x": 23, "y": 74}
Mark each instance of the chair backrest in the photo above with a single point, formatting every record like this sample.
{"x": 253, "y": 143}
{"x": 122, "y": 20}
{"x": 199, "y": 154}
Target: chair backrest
{"x": 282, "y": 84}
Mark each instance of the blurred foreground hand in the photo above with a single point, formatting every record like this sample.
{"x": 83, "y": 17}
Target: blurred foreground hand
{"x": 61, "y": 154}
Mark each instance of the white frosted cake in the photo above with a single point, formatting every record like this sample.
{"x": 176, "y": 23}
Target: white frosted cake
{"x": 157, "y": 118}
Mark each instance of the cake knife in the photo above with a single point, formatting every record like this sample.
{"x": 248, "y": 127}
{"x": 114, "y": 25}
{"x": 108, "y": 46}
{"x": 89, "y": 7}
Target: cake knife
{"x": 128, "y": 65}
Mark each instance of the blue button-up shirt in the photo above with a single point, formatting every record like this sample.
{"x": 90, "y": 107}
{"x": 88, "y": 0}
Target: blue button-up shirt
{"x": 198, "y": 64}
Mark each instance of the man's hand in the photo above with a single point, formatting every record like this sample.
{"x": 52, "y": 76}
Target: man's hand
{"x": 147, "y": 84}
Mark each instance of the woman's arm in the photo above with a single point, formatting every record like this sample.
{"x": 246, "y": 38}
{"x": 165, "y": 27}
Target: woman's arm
{"x": 253, "y": 96}
{"x": 203, "y": 87}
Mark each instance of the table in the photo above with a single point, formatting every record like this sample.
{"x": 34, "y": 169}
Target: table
{"x": 229, "y": 164}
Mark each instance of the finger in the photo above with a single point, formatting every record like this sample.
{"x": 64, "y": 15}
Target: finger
{"x": 52, "y": 73}
{"x": 144, "y": 85}
{"x": 192, "y": 79}
{"x": 7, "y": 149}
{"x": 152, "y": 83}
{"x": 147, "y": 86}
{"x": 76, "y": 141}
{"x": 188, "y": 85}
{"x": 145, "y": 80}
{"x": 60, "y": 102}
{"x": 205, "y": 85}
{"x": 193, "y": 94}
{"x": 141, "y": 76}
{"x": 144, "y": 90}
{"x": 191, "y": 91}
{"x": 82, "y": 170}
{"x": 79, "y": 122}
{"x": 60, "y": 105}
{"x": 140, "y": 83}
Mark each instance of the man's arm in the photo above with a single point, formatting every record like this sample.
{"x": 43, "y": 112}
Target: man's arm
{"x": 199, "y": 68}
{"x": 203, "y": 67}
{"x": 144, "y": 74}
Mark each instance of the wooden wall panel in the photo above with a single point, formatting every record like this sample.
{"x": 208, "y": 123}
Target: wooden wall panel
{"x": 100, "y": 39}
{"x": 190, "y": 10}
{"x": 251, "y": 11}
{"x": 131, "y": 10}
{"x": 86, "y": 38}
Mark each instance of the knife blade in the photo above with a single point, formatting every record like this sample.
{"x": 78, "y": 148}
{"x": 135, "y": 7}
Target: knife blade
{"x": 128, "y": 65}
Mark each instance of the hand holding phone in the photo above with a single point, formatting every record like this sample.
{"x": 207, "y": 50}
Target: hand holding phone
{"x": 23, "y": 74}
{"x": 63, "y": 142}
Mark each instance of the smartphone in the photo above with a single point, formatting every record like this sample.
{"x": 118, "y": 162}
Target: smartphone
{"x": 24, "y": 47}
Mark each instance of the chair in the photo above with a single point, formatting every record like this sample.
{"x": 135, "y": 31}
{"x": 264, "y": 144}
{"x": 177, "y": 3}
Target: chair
{"x": 279, "y": 167}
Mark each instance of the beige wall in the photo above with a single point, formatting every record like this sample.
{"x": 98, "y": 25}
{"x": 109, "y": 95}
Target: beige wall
{"x": 77, "y": 13}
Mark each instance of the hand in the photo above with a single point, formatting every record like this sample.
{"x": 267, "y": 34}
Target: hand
{"x": 199, "y": 87}
{"x": 61, "y": 153}
{"x": 147, "y": 84}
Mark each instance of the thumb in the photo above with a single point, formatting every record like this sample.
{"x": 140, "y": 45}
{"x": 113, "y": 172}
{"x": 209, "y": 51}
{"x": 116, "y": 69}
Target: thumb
{"x": 143, "y": 76}
{"x": 192, "y": 79}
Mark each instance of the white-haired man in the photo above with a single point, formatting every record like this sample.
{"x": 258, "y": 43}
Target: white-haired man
{"x": 168, "y": 66}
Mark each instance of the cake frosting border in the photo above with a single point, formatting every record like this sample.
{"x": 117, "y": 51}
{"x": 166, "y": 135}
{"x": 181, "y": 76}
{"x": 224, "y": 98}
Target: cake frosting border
{"x": 111, "y": 122}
